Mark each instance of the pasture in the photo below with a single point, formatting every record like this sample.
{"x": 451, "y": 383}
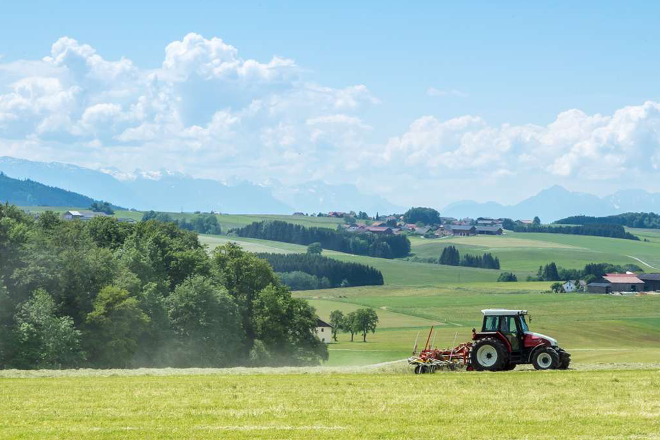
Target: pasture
{"x": 333, "y": 405}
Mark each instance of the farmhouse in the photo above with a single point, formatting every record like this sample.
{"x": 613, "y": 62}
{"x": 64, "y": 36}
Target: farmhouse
{"x": 487, "y": 221}
{"x": 489, "y": 230}
{"x": 463, "y": 231}
{"x": 82, "y": 215}
{"x": 323, "y": 331}
{"x": 574, "y": 285}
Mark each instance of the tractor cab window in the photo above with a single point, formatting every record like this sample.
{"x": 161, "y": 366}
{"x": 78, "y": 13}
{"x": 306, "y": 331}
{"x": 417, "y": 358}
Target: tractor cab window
{"x": 509, "y": 325}
{"x": 523, "y": 324}
{"x": 491, "y": 324}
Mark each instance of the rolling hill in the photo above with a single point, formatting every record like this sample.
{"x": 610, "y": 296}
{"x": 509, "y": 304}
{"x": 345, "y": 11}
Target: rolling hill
{"x": 30, "y": 193}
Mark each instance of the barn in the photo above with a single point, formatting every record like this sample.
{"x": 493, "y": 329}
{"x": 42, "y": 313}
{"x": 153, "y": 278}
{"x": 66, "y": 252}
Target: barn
{"x": 624, "y": 282}
{"x": 463, "y": 231}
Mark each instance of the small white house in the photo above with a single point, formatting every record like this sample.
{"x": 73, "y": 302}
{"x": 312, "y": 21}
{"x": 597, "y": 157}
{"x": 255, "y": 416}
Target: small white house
{"x": 574, "y": 285}
{"x": 324, "y": 331}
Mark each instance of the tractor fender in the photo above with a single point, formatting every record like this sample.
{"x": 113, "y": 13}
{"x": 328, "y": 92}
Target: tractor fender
{"x": 497, "y": 335}
{"x": 534, "y": 350}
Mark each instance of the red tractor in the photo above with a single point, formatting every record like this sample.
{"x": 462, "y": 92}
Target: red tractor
{"x": 505, "y": 341}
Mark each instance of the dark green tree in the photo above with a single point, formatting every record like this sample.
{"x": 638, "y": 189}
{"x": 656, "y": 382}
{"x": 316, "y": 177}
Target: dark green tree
{"x": 427, "y": 216}
{"x": 206, "y": 324}
{"x": 314, "y": 248}
{"x": 44, "y": 340}
{"x": 507, "y": 277}
{"x": 365, "y": 321}
{"x": 114, "y": 327}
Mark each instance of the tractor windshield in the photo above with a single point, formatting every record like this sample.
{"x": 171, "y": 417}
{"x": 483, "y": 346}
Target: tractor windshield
{"x": 523, "y": 324}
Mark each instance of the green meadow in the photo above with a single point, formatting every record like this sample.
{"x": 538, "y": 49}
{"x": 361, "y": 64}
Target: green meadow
{"x": 334, "y": 405}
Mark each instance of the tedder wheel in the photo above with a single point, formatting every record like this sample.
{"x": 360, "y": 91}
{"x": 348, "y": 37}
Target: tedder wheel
{"x": 564, "y": 360}
{"x": 545, "y": 358}
{"x": 419, "y": 369}
{"x": 489, "y": 354}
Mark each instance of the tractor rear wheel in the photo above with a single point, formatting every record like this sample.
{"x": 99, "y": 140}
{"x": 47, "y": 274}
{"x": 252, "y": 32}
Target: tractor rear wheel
{"x": 489, "y": 354}
{"x": 545, "y": 358}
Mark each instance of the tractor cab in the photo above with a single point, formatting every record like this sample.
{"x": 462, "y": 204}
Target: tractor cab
{"x": 510, "y": 324}
{"x": 506, "y": 332}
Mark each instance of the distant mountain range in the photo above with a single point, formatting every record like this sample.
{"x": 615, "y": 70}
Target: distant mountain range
{"x": 166, "y": 191}
{"x": 31, "y": 193}
{"x": 557, "y": 202}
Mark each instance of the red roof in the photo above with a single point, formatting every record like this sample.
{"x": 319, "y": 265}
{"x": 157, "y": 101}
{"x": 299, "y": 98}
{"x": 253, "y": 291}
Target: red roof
{"x": 623, "y": 278}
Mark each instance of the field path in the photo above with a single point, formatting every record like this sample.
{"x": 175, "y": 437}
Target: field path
{"x": 643, "y": 262}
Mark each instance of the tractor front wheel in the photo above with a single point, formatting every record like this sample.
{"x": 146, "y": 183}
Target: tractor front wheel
{"x": 489, "y": 354}
{"x": 564, "y": 360}
{"x": 545, "y": 358}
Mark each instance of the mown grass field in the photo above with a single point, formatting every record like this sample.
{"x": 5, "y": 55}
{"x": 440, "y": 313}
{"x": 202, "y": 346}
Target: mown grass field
{"x": 518, "y": 404}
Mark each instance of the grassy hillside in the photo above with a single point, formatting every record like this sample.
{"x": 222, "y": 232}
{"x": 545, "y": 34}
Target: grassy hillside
{"x": 609, "y": 404}
{"x": 524, "y": 253}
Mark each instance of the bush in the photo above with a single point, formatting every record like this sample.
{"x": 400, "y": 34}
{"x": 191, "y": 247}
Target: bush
{"x": 507, "y": 277}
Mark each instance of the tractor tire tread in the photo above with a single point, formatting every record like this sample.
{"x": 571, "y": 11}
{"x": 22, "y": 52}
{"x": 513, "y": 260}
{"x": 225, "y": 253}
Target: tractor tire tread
{"x": 502, "y": 352}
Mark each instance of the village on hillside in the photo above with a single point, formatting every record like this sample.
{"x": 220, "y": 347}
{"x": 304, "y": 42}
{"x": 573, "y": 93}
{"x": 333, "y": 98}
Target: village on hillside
{"x": 446, "y": 226}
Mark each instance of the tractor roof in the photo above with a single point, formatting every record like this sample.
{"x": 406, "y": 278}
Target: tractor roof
{"x": 503, "y": 312}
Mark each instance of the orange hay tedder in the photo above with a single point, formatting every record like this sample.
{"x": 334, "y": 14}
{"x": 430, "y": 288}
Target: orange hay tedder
{"x": 503, "y": 342}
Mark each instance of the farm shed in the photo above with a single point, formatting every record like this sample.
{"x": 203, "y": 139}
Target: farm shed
{"x": 599, "y": 287}
{"x": 463, "y": 231}
{"x": 489, "y": 230}
{"x": 651, "y": 281}
{"x": 323, "y": 331}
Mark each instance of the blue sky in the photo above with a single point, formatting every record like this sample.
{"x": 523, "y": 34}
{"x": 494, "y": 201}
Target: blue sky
{"x": 507, "y": 66}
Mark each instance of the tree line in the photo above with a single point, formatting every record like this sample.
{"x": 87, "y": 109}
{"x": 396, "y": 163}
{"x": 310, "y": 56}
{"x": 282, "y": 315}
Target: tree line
{"x": 337, "y": 273}
{"x": 597, "y": 230}
{"x": 359, "y": 321}
{"x": 200, "y": 223}
{"x": 452, "y": 257}
{"x": 590, "y": 272}
{"x": 379, "y": 246}
{"x": 105, "y": 294}
{"x": 649, "y": 220}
